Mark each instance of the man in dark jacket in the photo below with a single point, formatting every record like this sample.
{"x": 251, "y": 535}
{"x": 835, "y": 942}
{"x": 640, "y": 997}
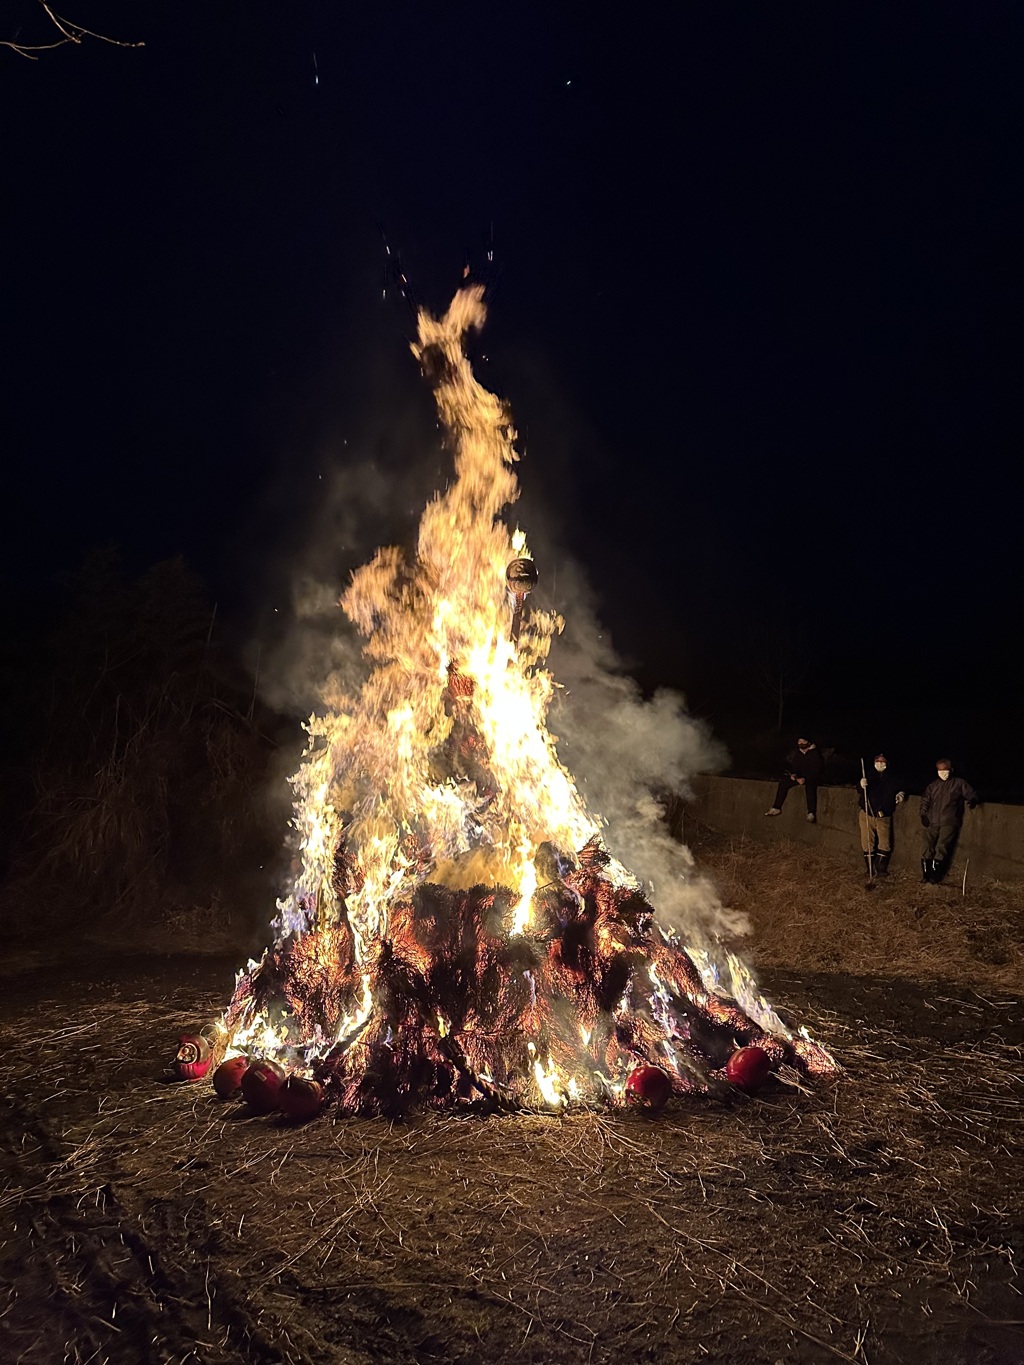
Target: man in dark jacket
{"x": 804, "y": 766}
{"x": 880, "y": 794}
{"x": 942, "y": 814}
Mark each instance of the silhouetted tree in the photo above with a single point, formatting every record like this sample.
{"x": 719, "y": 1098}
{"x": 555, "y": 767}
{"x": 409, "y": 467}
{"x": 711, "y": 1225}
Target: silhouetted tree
{"x": 148, "y": 763}
{"x": 782, "y": 665}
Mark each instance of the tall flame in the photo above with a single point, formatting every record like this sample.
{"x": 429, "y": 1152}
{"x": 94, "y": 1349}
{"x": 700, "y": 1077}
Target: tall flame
{"x": 441, "y": 773}
{"x": 377, "y": 773}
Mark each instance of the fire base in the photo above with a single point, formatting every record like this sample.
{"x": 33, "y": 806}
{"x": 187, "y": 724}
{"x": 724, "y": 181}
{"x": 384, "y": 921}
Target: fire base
{"x": 453, "y": 1010}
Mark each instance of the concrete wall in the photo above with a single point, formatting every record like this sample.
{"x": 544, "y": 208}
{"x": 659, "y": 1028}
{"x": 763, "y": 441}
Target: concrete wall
{"x": 992, "y": 836}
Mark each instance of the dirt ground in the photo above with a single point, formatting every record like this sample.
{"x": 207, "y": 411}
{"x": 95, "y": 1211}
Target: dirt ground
{"x": 875, "y": 1220}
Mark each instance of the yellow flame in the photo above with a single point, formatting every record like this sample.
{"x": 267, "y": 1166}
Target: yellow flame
{"x": 441, "y": 767}
{"x": 547, "y": 1084}
{"x": 418, "y": 775}
{"x": 259, "y": 1038}
{"x": 390, "y": 757}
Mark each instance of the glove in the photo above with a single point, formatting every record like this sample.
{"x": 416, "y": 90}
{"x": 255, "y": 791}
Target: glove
{"x": 971, "y": 805}
{"x": 864, "y": 783}
{"x": 899, "y": 797}
{"x": 924, "y": 821}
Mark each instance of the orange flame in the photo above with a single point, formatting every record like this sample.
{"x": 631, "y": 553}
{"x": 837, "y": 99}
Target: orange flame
{"x": 442, "y": 770}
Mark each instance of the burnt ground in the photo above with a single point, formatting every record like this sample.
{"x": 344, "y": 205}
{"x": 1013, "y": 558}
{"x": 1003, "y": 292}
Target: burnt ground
{"x": 878, "y": 1219}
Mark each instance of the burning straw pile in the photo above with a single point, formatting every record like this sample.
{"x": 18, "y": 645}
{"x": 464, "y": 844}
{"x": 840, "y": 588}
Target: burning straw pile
{"x": 456, "y": 933}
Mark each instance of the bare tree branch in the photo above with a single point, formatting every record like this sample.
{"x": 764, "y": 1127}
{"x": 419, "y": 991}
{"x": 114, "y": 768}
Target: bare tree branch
{"x": 70, "y": 33}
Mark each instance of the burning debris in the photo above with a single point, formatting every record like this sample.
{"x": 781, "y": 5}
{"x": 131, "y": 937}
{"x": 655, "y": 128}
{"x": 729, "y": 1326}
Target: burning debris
{"x": 457, "y": 935}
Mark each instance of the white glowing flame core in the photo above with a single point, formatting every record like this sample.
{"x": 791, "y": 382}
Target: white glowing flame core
{"x": 370, "y": 781}
{"x": 370, "y": 756}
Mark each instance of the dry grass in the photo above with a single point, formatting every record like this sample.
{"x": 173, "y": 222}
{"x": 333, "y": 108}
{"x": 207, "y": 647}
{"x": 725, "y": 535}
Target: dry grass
{"x": 876, "y": 1220}
{"x": 812, "y": 914}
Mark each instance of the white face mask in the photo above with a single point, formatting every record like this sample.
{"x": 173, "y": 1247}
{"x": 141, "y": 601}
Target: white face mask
{"x": 879, "y": 767}
{"x": 943, "y": 773}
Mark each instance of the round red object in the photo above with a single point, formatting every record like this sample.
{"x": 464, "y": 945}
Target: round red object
{"x": 193, "y": 1059}
{"x": 648, "y": 1087}
{"x": 301, "y": 1098}
{"x": 748, "y": 1068}
{"x": 261, "y": 1086}
{"x": 227, "y": 1079}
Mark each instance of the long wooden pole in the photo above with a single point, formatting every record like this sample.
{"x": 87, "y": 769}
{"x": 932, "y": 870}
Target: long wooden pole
{"x": 867, "y": 812}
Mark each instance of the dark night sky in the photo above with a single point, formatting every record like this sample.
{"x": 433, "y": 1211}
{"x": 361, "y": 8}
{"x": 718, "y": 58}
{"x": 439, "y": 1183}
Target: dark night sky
{"x": 757, "y": 311}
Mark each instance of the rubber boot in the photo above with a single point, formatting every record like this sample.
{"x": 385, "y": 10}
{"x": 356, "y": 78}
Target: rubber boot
{"x": 926, "y": 869}
{"x": 882, "y": 864}
{"x": 938, "y": 870}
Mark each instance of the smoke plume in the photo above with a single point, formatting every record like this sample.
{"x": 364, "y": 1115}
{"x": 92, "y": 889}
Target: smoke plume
{"x": 626, "y": 752}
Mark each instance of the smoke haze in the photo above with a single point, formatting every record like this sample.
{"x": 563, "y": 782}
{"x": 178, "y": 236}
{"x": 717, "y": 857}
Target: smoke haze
{"x": 623, "y": 750}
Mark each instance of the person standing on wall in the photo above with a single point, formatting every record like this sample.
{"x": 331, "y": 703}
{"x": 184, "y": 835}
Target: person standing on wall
{"x": 942, "y": 814}
{"x": 880, "y": 794}
{"x": 804, "y": 766}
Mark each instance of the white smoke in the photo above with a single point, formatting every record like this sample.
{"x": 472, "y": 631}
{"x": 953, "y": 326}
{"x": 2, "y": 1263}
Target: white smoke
{"x": 316, "y": 654}
{"x": 624, "y": 751}
{"x": 627, "y": 754}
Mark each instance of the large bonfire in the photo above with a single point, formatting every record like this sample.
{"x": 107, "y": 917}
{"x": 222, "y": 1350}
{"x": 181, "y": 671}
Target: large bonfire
{"x": 456, "y": 933}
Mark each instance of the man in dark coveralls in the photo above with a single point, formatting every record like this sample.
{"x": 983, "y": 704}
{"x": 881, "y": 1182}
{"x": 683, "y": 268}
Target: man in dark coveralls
{"x": 804, "y": 766}
{"x": 942, "y": 814}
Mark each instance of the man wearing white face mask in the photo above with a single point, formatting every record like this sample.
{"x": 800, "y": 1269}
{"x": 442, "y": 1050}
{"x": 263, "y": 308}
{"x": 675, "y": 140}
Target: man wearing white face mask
{"x": 879, "y": 796}
{"x": 942, "y": 814}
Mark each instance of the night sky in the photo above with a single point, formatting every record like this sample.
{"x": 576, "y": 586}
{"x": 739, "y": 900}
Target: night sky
{"x": 755, "y": 302}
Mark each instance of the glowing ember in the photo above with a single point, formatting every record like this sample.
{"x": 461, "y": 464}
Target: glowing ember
{"x": 457, "y": 934}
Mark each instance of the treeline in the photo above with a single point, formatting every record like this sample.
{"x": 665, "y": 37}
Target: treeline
{"x": 135, "y": 767}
